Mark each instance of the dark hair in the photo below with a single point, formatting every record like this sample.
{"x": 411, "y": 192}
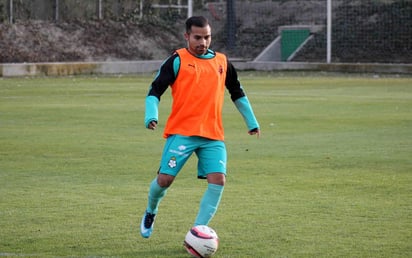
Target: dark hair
{"x": 198, "y": 21}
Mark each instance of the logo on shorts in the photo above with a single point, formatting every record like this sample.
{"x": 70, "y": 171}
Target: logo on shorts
{"x": 180, "y": 151}
{"x": 172, "y": 162}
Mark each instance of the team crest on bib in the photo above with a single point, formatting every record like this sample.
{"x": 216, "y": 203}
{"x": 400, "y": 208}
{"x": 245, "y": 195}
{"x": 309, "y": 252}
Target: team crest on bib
{"x": 172, "y": 162}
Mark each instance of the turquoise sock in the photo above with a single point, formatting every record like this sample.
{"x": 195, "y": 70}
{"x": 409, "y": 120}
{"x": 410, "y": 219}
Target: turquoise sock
{"x": 156, "y": 194}
{"x": 209, "y": 204}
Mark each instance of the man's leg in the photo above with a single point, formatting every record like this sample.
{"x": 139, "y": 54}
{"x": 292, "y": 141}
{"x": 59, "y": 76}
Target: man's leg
{"x": 211, "y": 199}
{"x": 156, "y": 194}
{"x": 173, "y": 159}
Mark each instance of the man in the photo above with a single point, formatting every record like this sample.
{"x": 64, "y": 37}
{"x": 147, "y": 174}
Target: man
{"x": 197, "y": 77}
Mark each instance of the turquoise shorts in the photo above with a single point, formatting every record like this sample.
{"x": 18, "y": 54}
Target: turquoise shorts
{"x": 211, "y": 155}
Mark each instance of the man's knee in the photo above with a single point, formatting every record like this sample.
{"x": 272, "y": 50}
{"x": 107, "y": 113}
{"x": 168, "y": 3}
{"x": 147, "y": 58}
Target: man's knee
{"x": 216, "y": 178}
{"x": 164, "y": 180}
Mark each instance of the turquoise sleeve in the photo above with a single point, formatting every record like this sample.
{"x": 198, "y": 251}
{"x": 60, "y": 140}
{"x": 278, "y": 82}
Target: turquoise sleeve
{"x": 151, "y": 110}
{"x": 244, "y": 107}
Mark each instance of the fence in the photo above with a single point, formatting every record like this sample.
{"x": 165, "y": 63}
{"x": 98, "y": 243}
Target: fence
{"x": 362, "y": 31}
{"x": 64, "y": 10}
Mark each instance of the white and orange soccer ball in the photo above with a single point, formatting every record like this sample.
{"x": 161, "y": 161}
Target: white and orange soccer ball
{"x": 201, "y": 241}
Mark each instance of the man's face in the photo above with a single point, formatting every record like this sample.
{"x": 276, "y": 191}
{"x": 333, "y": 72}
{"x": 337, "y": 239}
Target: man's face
{"x": 198, "y": 40}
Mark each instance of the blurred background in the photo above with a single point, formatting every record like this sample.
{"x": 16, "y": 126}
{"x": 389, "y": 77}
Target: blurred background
{"x": 362, "y": 31}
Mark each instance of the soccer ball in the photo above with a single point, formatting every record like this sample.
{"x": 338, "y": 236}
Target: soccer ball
{"x": 201, "y": 241}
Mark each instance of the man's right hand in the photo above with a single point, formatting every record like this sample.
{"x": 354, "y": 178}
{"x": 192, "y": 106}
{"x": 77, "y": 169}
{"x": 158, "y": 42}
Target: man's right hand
{"x": 152, "y": 125}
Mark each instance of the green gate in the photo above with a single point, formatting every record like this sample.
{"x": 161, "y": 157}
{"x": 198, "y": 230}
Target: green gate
{"x": 291, "y": 40}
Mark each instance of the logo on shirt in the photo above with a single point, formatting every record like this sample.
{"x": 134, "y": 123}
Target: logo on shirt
{"x": 220, "y": 69}
{"x": 191, "y": 65}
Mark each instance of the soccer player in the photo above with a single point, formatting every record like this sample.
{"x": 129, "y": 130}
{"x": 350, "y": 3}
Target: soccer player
{"x": 197, "y": 77}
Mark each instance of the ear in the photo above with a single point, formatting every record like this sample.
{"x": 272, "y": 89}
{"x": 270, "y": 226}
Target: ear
{"x": 187, "y": 36}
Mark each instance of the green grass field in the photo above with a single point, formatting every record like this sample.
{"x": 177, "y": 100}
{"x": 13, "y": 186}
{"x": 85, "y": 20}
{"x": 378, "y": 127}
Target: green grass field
{"x": 330, "y": 176}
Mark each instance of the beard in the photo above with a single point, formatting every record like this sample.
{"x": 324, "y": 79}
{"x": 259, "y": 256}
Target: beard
{"x": 201, "y": 50}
